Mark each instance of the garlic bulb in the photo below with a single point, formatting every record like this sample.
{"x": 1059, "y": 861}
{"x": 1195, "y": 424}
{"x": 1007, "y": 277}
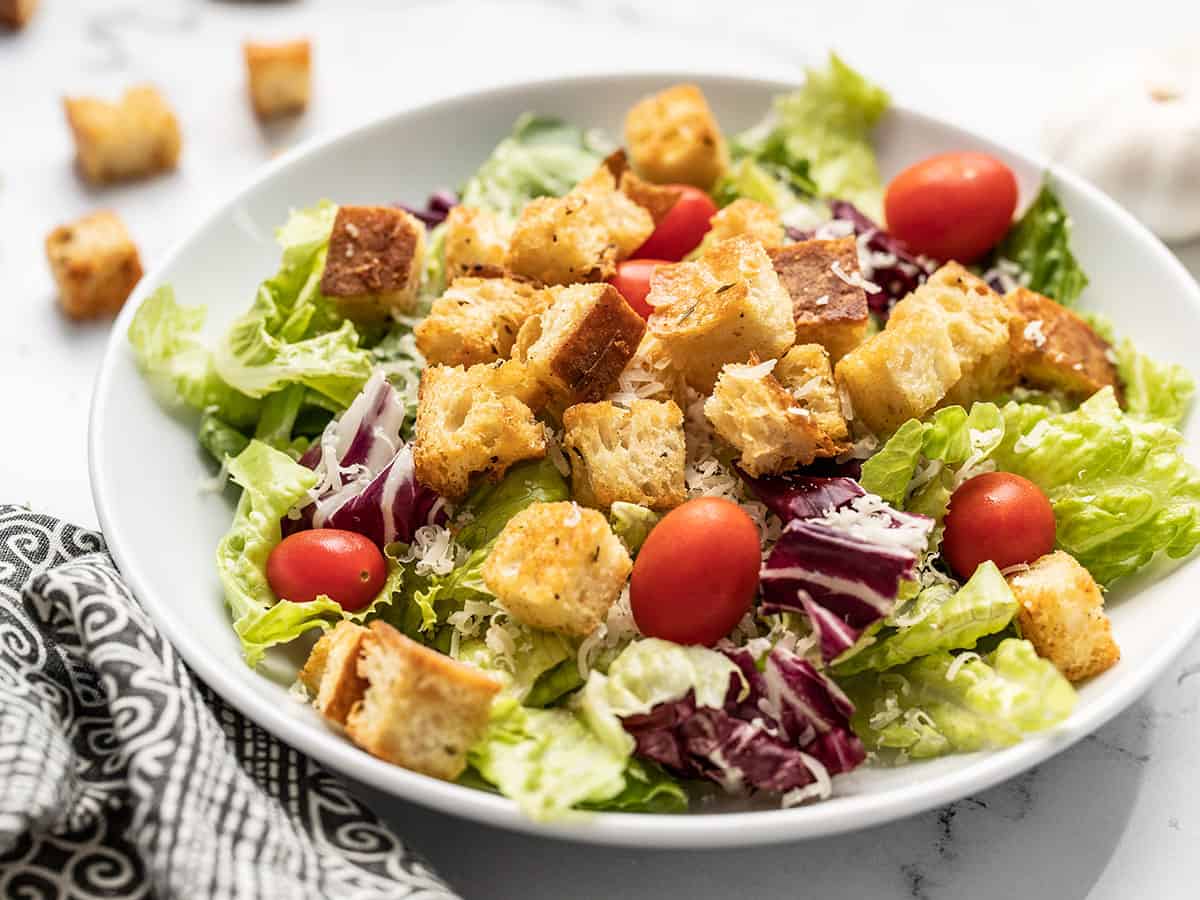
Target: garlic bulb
{"x": 1134, "y": 131}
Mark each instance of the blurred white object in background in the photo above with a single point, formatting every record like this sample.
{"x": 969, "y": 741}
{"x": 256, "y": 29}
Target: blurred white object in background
{"x": 1133, "y": 129}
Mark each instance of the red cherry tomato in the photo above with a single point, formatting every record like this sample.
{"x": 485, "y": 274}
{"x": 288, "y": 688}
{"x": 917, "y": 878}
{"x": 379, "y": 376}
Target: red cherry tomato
{"x": 342, "y": 565}
{"x": 682, "y": 229}
{"x": 953, "y": 206}
{"x": 997, "y": 516}
{"x": 697, "y": 572}
{"x": 633, "y": 281}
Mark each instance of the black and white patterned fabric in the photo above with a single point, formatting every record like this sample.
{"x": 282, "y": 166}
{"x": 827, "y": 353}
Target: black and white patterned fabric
{"x": 122, "y": 776}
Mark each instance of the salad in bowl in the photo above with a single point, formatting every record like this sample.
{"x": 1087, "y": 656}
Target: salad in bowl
{"x": 631, "y": 477}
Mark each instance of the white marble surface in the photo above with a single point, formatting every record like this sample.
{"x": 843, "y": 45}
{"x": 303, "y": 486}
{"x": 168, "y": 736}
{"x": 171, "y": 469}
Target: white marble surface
{"x": 1117, "y": 816}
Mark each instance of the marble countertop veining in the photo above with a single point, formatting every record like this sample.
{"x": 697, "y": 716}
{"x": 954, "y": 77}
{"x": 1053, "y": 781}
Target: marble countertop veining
{"x": 1117, "y": 816}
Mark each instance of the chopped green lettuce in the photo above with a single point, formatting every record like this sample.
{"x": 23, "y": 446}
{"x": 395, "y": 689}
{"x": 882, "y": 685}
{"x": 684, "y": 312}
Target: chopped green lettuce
{"x": 942, "y": 619}
{"x": 220, "y": 438}
{"x": 490, "y": 504}
{"x": 647, "y": 789}
{"x": 1040, "y": 243}
{"x": 543, "y": 157}
{"x": 942, "y": 704}
{"x": 1153, "y": 390}
{"x": 172, "y": 357}
{"x": 537, "y": 652}
{"x": 632, "y": 524}
{"x": 827, "y": 124}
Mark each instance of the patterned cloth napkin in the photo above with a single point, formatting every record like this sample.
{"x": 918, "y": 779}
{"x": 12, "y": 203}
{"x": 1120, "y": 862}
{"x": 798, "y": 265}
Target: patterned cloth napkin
{"x": 123, "y": 776}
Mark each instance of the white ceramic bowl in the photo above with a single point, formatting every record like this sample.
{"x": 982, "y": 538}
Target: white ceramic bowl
{"x": 145, "y": 466}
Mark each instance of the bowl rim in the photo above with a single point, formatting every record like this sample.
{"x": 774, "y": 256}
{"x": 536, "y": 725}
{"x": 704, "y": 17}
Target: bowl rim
{"x": 693, "y": 830}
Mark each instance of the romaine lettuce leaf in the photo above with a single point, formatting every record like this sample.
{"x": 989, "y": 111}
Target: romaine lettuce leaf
{"x": 940, "y": 704}
{"x": 490, "y": 505}
{"x": 827, "y": 122}
{"x": 172, "y": 357}
{"x": 632, "y": 524}
{"x": 1153, "y": 390}
{"x": 945, "y": 620}
{"x": 543, "y": 157}
{"x": 220, "y": 438}
{"x": 647, "y": 789}
{"x": 1040, "y": 243}
{"x": 537, "y": 652}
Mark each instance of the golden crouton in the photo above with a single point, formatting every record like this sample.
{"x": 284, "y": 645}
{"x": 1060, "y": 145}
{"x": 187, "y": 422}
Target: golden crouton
{"x": 477, "y": 319}
{"x": 760, "y": 419}
{"x": 656, "y": 199}
{"x": 978, "y": 322}
{"x": 135, "y": 137}
{"x": 470, "y": 421}
{"x": 650, "y": 375}
{"x": 1060, "y": 610}
{"x": 95, "y": 264}
{"x": 280, "y": 77}
{"x": 16, "y": 13}
{"x": 475, "y": 241}
{"x": 720, "y": 308}
{"x": 374, "y": 261}
{"x": 421, "y": 710}
{"x": 331, "y": 672}
{"x": 946, "y": 343}
{"x": 673, "y": 138}
{"x": 580, "y": 344}
{"x": 1053, "y": 348}
{"x": 557, "y": 566}
{"x": 805, "y": 373}
{"x": 829, "y": 309}
{"x": 750, "y": 218}
{"x": 634, "y": 455}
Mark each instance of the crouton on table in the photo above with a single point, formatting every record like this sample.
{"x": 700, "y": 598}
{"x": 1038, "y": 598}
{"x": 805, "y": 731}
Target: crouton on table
{"x": 805, "y": 373}
{"x": 579, "y": 237}
{"x": 16, "y": 13}
{"x": 557, "y": 566}
{"x": 136, "y": 136}
{"x": 749, "y": 218}
{"x": 1060, "y": 610}
{"x": 945, "y": 343}
{"x": 420, "y": 709}
{"x": 581, "y": 342}
{"x": 95, "y": 265}
{"x": 280, "y": 77}
{"x": 475, "y": 242}
{"x": 720, "y": 308}
{"x": 476, "y": 320}
{"x": 471, "y": 421}
{"x": 374, "y": 261}
{"x": 633, "y": 455}
{"x": 1055, "y": 349}
{"x": 759, "y": 418}
{"x": 828, "y": 302}
{"x": 674, "y": 138}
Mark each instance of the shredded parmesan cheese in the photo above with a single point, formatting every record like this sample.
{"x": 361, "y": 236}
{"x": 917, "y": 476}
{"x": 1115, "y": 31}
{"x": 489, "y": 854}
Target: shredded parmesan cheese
{"x": 854, "y": 279}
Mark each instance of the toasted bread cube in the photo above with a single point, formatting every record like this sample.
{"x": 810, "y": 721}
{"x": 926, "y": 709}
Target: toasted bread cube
{"x": 580, "y": 344}
{"x": 471, "y": 421}
{"x": 557, "y": 566}
{"x": 635, "y": 455}
{"x": 135, "y": 137}
{"x": 1055, "y": 349}
{"x": 421, "y": 710}
{"x": 656, "y": 199}
{"x": 374, "y": 261}
{"x": 95, "y": 264}
{"x": 331, "y": 672}
{"x": 978, "y": 323}
{"x": 579, "y": 237}
{"x": 475, "y": 241}
{"x": 476, "y": 320}
{"x": 719, "y": 309}
{"x": 16, "y": 13}
{"x": 760, "y": 419}
{"x": 750, "y": 218}
{"x": 805, "y": 373}
{"x": 650, "y": 375}
{"x": 829, "y": 310}
{"x": 280, "y": 77}
{"x": 673, "y": 138}
{"x": 1061, "y": 612}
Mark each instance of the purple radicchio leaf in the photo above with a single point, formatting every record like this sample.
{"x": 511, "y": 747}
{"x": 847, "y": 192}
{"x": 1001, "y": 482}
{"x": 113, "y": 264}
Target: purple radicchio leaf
{"x": 776, "y": 728}
{"x": 436, "y": 208}
{"x": 802, "y": 496}
{"x": 367, "y": 482}
{"x": 885, "y": 260}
